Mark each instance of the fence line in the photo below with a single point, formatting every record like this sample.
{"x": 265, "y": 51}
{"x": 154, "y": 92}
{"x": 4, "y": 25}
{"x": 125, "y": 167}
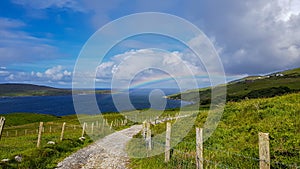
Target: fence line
{"x": 53, "y": 127}
{"x": 264, "y": 154}
{"x": 264, "y": 151}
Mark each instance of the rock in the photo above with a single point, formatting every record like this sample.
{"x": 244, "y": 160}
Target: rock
{"x": 51, "y": 142}
{"x": 82, "y": 138}
{"x": 18, "y": 158}
{"x": 5, "y": 160}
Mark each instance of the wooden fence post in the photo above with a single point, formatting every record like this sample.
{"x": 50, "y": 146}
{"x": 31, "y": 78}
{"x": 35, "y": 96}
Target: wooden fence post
{"x": 168, "y": 142}
{"x": 92, "y": 128}
{"x": 111, "y": 124}
{"x": 103, "y": 125}
{"x": 83, "y": 129}
{"x": 62, "y": 131}
{"x": 264, "y": 151}
{"x": 2, "y": 122}
{"x": 148, "y": 137}
{"x": 144, "y": 130}
{"x": 39, "y": 135}
{"x": 199, "y": 148}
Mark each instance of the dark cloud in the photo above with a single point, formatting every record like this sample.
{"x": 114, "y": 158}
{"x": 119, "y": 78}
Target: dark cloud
{"x": 252, "y": 36}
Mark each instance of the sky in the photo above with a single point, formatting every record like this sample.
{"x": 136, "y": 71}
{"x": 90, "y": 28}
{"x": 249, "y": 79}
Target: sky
{"x": 40, "y": 41}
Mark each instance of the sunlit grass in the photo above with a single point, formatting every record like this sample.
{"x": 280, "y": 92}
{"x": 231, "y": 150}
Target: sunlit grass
{"x": 234, "y": 144}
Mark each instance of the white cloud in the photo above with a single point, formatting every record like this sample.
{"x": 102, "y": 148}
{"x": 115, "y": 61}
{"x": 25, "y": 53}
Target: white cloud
{"x": 11, "y": 77}
{"x": 288, "y": 9}
{"x": 71, "y": 4}
{"x": 67, "y": 73}
{"x": 147, "y": 64}
{"x": 39, "y": 74}
{"x": 55, "y": 74}
{"x": 105, "y": 69}
{"x": 3, "y": 73}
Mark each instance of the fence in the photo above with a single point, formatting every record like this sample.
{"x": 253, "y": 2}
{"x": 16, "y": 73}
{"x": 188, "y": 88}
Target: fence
{"x": 197, "y": 159}
{"x": 57, "y": 130}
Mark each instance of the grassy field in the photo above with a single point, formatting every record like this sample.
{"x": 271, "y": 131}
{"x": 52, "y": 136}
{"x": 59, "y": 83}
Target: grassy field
{"x": 234, "y": 144}
{"x": 20, "y": 137}
{"x": 250, "y": 87}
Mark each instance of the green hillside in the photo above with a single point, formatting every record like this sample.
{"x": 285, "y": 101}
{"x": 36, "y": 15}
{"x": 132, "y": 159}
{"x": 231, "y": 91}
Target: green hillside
{"x": 30, "y": 90}
{"x": 252, "y": 87}
{"x": 234, "y": 143}
{"x": 17, "y": 89}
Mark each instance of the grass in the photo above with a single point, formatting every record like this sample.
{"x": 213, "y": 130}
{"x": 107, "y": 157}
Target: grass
{"x": 234, "y": 144}
{"x": 15, "y": 119}
{"x": 250, "y": 87}
{"x": 14, "y": 141}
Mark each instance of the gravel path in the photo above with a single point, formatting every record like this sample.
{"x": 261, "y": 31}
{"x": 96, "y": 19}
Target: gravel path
{"x": 106, "y": 153}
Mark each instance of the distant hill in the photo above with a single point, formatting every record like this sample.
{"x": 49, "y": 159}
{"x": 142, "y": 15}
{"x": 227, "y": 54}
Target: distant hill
{"x": 20, "y": 89}
{"x": 16, "y": 89}
{"x": 274, "y": 84}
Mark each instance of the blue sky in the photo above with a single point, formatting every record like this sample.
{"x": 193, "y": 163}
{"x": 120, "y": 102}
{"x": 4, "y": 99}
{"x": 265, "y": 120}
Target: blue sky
{"x": 41, "y": 40}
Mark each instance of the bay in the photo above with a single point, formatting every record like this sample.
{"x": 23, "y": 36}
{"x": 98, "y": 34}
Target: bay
{"x": 63, "y": 105}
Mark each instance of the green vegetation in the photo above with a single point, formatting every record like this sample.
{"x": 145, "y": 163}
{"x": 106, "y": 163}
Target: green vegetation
{"x": 16, "y": 119}
{"x": 20, "y": 137}
{"x": 30, "y": 90}
{"x": 251, "y": 87}
{"x": 15, "y": 89}
{"x": 234, "y": 144}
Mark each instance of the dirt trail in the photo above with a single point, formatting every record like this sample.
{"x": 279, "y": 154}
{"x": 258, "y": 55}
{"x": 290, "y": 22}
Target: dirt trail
{"x": 106, "y": 153}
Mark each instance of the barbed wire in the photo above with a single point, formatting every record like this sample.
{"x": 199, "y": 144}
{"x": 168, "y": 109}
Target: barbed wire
{"x": 162, "y": 144}
{"x": 207, "y": 160}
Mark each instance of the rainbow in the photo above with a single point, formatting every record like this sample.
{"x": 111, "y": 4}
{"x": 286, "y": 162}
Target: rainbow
{"x": 160, "y": 79}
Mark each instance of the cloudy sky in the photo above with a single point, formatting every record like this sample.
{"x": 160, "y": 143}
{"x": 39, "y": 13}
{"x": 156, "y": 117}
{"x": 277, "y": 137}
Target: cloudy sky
{"x": 40, "y": 40}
